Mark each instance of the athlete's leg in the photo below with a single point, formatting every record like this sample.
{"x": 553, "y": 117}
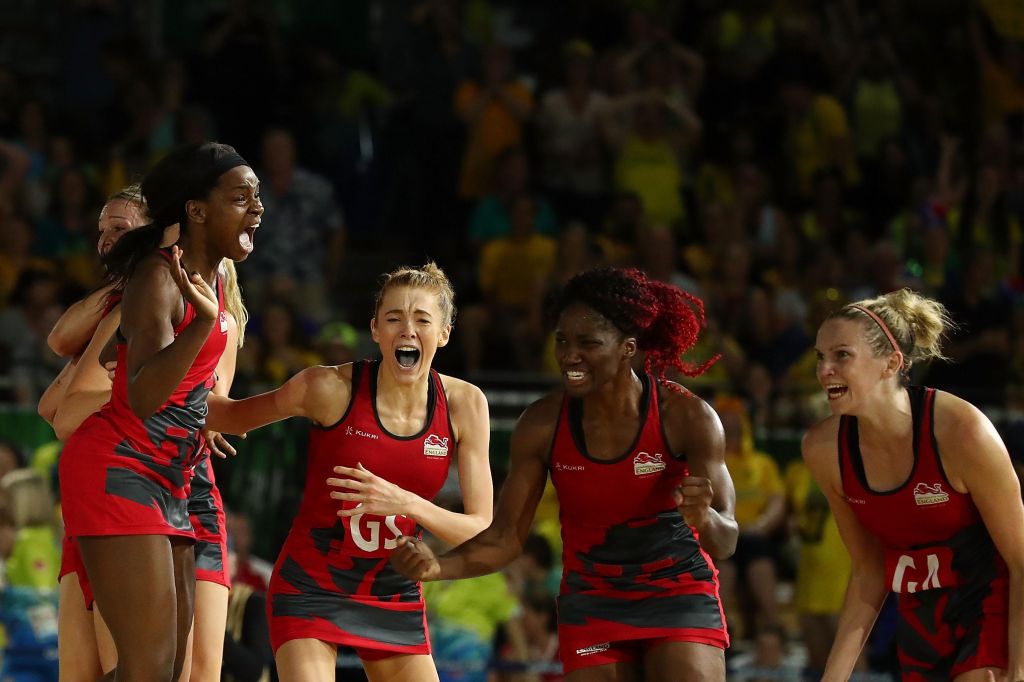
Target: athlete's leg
{"x": 306, "y": 660}
{"x": 405, "y": 668}
{"x": 625, "y": 671}
{"x": 186, "y": 667}
{"x": 104, "y": 641}
{"x": 208, "y": 631}
{"x": 77, "y": 653}
{"x": 133, "y": 578}
{"x": 672, "y": 661}
{"x": 183, "y": 554}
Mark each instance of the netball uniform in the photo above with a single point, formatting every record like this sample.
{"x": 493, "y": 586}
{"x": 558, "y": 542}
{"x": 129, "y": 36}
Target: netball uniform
{"x": 951, "y": 583}
{"x": 205, "y": 512}
{"x": 332, "y": 580}
{"x": 121, "y": 475}
{"x": 634, "y": 573}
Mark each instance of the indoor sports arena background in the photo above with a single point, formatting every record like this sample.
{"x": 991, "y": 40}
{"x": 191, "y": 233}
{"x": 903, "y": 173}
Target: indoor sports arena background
{"x": 777, "y": 158}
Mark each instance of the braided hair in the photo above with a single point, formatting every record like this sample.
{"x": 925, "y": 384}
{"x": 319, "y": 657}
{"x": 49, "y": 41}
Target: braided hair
{"x": 664, "y": 319}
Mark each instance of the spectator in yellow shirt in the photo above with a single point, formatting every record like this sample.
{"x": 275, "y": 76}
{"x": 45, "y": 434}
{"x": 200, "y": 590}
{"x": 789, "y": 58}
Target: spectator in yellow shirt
{"x": 760, "y": 513}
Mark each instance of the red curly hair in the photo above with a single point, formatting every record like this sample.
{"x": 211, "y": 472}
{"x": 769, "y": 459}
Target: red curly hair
{"x": 664, "y": 319}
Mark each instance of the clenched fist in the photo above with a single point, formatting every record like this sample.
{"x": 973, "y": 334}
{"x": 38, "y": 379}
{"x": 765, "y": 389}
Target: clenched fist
{"x": 415, "y": 560}
{"x": 693, "y": 499}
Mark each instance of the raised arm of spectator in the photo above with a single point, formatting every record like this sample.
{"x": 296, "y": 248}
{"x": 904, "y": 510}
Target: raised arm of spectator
{"x": 949, "y": 189}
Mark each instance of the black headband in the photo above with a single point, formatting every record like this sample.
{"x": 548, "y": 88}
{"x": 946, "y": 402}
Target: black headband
{"x": 221, "y": 166}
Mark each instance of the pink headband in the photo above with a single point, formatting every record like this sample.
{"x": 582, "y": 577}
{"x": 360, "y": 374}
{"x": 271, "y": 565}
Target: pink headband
{"x": 881, "y": 325}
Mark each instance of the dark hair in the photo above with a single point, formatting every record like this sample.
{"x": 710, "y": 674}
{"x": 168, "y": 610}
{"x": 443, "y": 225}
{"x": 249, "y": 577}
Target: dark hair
{"x": 188, "y": 172}
{"x": 664, "y": 319}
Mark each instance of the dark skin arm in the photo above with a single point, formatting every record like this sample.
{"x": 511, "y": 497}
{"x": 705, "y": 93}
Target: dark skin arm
{"x": 502, "y": 541}
{"x": 706, "y": 498}
{"x": 157, "y": 360}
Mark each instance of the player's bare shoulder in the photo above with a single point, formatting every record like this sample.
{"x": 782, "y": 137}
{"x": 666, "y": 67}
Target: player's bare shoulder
{"x": 691, "y": 424}
{"x": 820, "y": 445}
{"x": 467, "y": 404}
{"x": 324, "y": 391}
{"x": 679, "y": 404}
{"x": 462, "y": 394}
{"x": 535, "y": 429}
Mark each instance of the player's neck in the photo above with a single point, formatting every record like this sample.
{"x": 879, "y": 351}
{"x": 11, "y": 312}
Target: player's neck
{"x": 888, "y": 417}
{"x": 401, "y": 396}
{"x": 196, "y": 257}
{"x": 619, "y": 396}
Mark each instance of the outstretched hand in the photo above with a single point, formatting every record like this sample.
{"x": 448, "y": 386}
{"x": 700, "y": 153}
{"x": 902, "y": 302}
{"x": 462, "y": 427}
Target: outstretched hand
{"x": 415, "y": 560}
{"x": 693, "y": 499}
{"x": 194, "y": 288}
{"x": 370, "y": 494}
{"x": 218, "y": 445}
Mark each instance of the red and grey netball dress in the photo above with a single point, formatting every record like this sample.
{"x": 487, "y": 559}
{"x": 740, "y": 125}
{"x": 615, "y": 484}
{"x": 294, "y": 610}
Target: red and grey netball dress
{"x": 120, "y": 475}
{"x": 634, "y": 573}
{"x": 206, "y": 513}
{"x": 70, "y": 557}
{"x": 332, "y": 580}
{"x": 951, "y": 582}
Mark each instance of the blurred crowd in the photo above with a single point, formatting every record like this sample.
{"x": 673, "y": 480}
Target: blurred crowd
{"x": 776, "y": 158}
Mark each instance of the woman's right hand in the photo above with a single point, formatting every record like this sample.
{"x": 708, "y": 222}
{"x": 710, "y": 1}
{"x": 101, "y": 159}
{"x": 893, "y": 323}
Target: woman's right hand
{"x": 415, "y": 560}
{"x": 194, "y": 288}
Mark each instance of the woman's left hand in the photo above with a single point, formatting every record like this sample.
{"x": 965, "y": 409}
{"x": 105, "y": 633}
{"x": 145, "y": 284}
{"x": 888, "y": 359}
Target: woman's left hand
{"x": 218, "y": 444}
{"x": 370, "y": 493}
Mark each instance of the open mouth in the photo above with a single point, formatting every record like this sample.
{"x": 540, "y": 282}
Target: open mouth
{"x": 245, "y": 239}
{"x": 836, "y": 391}
{"x": 574, "y": 376}
{"x": 407, "y": 356}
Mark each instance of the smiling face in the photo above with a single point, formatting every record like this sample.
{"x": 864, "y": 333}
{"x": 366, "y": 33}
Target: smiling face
{"x": 409, "y": 327}
{"x": 589, "y": 349}
{"x": 231, "y": 213}
{"x": 848, "y": 370}
{"x": 117, "y": 217}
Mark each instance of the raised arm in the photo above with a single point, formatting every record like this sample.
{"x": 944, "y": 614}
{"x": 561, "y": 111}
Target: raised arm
{"x": 502, "y": 541}
{"x": 706, "y": 498}
{"x": 54, "y": 393}
{"x": 77, "y": 325}
{"x": 981, "y": 462}
{"x": 867, "y": 589}
{"x": 89, "y": 385}
{"x": 318, "y": 393}
{"x": 157, "y": 360}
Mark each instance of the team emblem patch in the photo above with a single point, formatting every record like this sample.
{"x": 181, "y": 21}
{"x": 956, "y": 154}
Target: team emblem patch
{"x": 645, "y": 463}
{"x": 223, "y": 322}
{"x": 925, "y": 495}
{"x": 435, "y": 446}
